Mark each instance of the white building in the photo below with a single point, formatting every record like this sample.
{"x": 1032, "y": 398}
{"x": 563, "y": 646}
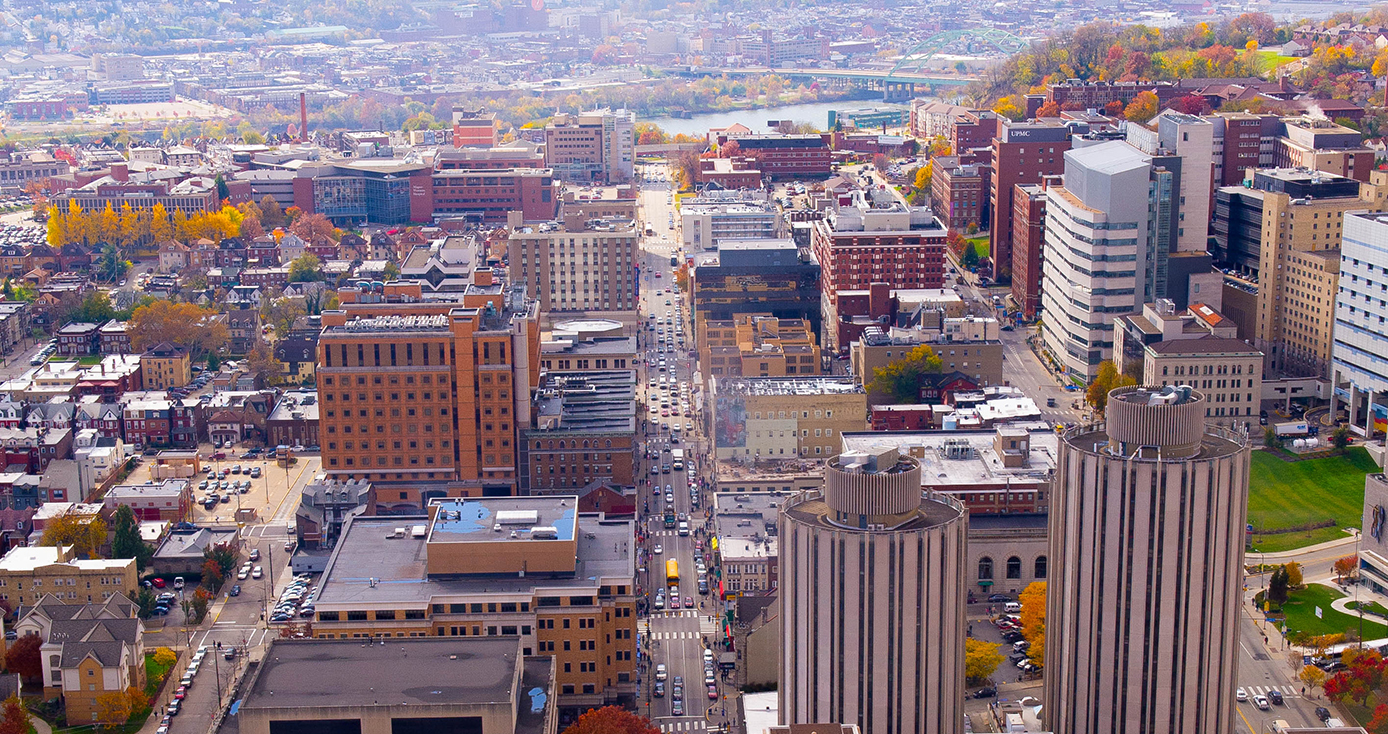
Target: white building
{"x": 1360, "y": 350}
{"x": 1191, "y": 139}
{"x": 727, "y": 215}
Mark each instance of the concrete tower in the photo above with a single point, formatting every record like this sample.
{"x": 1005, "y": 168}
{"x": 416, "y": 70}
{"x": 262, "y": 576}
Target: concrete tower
{"x": 1147, "y": 526}
{"x": 872, "y": 598}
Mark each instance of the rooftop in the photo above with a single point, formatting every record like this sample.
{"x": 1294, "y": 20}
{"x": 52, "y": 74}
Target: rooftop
{"x": 392, "y": 324}
{"x": 412, "y": 671}
{"x": 789, "y": 386}
{"x": 963, "y": 458}
{"x": 487, "y": 520}
{"x": 1204, "y": 345}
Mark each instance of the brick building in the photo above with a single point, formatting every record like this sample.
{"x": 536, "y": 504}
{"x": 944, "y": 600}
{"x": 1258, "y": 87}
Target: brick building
{"x": 1023, "y": 152}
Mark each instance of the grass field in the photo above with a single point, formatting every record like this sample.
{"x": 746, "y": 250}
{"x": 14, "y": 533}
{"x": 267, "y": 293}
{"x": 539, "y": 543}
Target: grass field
{"x": 980, "y": 245}
{"x": 1287, "y": 494}
{"x": 1269, "y": 60}
{"x": 1300, "y": 611}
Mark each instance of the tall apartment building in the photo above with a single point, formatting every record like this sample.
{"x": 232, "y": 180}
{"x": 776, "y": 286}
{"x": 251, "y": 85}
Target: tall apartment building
{"x": 958, "y": 193}
{"x": 562, "y": 581}
{"x": 1028, "y": 238}
{"x": 1023, "y": 152}
{"x": 1361, "y": 339}
{"x": 1241, "y": 141}
{"x": 774, "y": 418}
{"x": 593, "y": 147}
{"x": 474, "y": 128}
{"x": 756, "y": 276}
{"x": 577, "y": 264}
{"x": 1298, "y": 235}
{"x": 875, "y": 239}
{"x": 1143, "y": 600}
{"x": 425, "y": 390}
{"x": 1107, "y": 229}
{"x": 1191, "y": 139}
{"x": 757, "y": 345}
{"x": 875, "y": 568}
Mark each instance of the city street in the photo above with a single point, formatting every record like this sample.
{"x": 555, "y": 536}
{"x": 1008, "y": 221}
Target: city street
{"x": 674, "y": 637}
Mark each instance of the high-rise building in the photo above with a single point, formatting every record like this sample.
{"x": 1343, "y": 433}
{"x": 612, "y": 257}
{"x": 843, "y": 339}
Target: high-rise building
{"x": 1146, "y": 579}
{"x": 1361, "y": 338}
{"x": 424, "y": 390}
{"x": 1191, "y": 139}
{"x": 1109, "y": 230}
{"x": 756, "y": 276}
{"x": 1028, "y": 238}
{"x": 577, "y": 263}
{"x": 875, "y": 239}
{"x": 1023, "y": 152}
{"x": 715, "y": 216}
{"x": 958, "y": 192}
{"x": 594, "y": 147}
{"x": 874, "y": 568}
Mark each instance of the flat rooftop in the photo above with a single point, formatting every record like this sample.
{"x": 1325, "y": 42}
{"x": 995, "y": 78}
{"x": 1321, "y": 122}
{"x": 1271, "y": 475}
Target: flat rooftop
{"x": 369, "y": 567}
{"x": 978, "y": 465}
{"x": 493, "y": 519}
{"x": 408, "y": 671}
{"x": 789, "y": 386}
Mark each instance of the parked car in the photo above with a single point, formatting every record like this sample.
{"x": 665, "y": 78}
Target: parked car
{"x": 235, "y": 590}
{"x": 987, "y": 692}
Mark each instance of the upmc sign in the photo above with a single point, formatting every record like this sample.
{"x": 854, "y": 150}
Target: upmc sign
{"x": 1035, "y": 133}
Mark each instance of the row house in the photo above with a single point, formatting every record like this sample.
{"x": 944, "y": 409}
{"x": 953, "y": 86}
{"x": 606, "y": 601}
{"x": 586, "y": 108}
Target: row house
{"x": 114, "y": 338}
{"x": 263, "y": 251}
{"x": 11, "y": 414}
{"x": 146, "y": 423}
{"x": 113, "y": 377}
{"x": 31, "y": 449}
{"x": 104, "y": 418}
{"x": 244, "y": 296}
{"x": 14, "y": 260}
{"x": 78, "y": 339}
{"x": 73, "y": 258}
{"x": 50, "y": 416}
{"x": 275, "y": 278}
{"x": 243, "y": 325}
{"x": 291, "y": 247}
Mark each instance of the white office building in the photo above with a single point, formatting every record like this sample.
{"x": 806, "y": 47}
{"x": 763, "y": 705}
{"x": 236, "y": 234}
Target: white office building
{"x": 1360, "y": 350}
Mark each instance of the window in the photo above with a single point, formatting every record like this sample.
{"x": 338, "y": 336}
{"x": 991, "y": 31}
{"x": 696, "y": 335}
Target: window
{"x": 1040, "y": 571}
{"x": 1014, "y": 567}
{"x": 985, "y": 568}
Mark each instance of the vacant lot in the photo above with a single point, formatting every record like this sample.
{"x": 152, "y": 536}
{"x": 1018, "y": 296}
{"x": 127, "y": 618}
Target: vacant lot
{"x": 1292, "y": 494}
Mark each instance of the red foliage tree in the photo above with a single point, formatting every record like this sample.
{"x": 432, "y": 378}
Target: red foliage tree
{"x": 1050, "y": 109}
{"x": 24, "y": 657}
{"x": 1191, "y": 104}
{"x": 611, "y": 720}
{"x": 1379, "y": 723}
{"x": 730, "y": 149}
{"x": 1114, "y": 108}
{"x": 15, "y": 720}
{"x": 1365, "y": 673}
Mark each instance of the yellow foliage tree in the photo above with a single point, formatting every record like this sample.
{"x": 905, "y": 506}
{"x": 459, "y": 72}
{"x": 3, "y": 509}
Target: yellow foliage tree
{"x": 165, "y": 657}
{"x": 84, "y": 533}
{"x": 108, "y": 226}
{"x": 112, "y": 709}
{"x": 1103, "y": 383}
{"x": 160, "y": 228}
{"x": 1033, "y": 599}
{"x": 183, "y": 324}
{"x": 1142, "y": 108}
{"x": 981, "y": 659}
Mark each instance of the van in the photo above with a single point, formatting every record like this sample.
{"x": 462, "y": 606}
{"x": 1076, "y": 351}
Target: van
{"x": 684, "y": 528}
{"x": 1279, "y": 726}
{"x": 1012, "y": 607}
{"x": 1331, "y": 724}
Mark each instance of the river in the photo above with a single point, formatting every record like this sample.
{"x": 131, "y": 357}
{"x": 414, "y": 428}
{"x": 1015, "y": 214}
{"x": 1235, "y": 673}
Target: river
{"x": 816, "y": 114}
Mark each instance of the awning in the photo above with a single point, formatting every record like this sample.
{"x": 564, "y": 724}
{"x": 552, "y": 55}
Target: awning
{"x": 985, "y": 582}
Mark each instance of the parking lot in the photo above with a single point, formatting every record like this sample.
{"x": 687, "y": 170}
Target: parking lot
{"x": 271, "y": 494}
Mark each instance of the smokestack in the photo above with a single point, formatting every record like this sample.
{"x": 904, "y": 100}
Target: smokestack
{"x": 303, "y": 118}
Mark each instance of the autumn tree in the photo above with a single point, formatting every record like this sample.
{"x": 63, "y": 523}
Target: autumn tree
{"x": 313, "y": 228}
{"x": 126, "y": 541}
{"x": 611, "y": 720}
{"x": 1365, "y": 672}
{"x": 14, "y": 718}
{"x": 1379, "y": 723}
{"x": 1344, "y": 567}
{"x": 161, "y": 228}
{"x": 187, "y": 325}
{"x": 281, "y": 313}
{"x": 1312, "y": 676}
{"x": 1278, "y": 586}
{"x": 1049, "y": 109}
{"x": 224, "y": 555}
{"x": 305, "y": 268}
{"x": 261, "y": 364}
{"x": 85, "y": 534}
{"x": 215, "y": 226}
{"x": 981, "y": 659}
{"x": 900, "y": 381}
{"x": 1108, "y": 379}
{"x": 212, "y": 576}
{"x": 137, "y": 698}
{"x": 271, "y": 213}
{"x": 922, "y": 183}
{"x": 1294, "y": 575}
{"x": 1142, "y": 108}
{"x": 1033, "y": 600}
{"x": 25, "y": 659}
{"x": 112, "y": 709}
{"x": 730, "y": 149}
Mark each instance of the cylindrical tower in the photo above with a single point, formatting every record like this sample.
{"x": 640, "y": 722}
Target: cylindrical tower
{"x": 872, "y": 600}
{"x": 1146, "y": 545}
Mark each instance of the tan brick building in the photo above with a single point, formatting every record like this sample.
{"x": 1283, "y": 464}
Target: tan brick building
{"x": 165, "y": 366}
{"x": 28, "y": 573}
{"x": 775, "y": 418}
{"x": 531, "y": 567}
{"x": 757, "y": 345}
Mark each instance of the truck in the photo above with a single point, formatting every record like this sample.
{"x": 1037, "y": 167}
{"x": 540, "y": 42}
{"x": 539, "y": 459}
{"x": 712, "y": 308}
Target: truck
{"x": 1279, "y": 726}
{"x": 1292, "y": 428}
{"x": 677, "y": 458}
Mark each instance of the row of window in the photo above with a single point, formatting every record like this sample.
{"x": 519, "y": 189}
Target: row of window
{"x": 1014, "y": 568}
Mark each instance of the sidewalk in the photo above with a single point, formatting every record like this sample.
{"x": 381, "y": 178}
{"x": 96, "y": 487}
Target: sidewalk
{"x": 1292, "y": 555}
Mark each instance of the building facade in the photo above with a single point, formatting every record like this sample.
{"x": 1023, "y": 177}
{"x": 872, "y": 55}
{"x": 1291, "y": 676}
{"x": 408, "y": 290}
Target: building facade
{"x": 578, "y": 265}
{"x": 1132, "y": 644}
{"x": 877, "y": 570}
{"x": 1023, "y": 152}
{"x": 1228, "y": 372}
{"x": 1361, "y": 340}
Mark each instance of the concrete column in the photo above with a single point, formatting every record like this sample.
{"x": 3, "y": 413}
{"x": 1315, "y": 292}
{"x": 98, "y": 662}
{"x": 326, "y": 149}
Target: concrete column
{"x": 1353, "y": 408}
{"x": 1369, "y": 415}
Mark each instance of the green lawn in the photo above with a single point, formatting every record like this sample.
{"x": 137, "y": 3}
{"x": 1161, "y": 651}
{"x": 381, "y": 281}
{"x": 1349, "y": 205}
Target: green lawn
{"x": 980, "y": 245}
{"x": 1269, "y": 60}
{"x": 1288, "y": 494}
{"x": 1300, "y": 611}
{"x": 1372, "y": 607}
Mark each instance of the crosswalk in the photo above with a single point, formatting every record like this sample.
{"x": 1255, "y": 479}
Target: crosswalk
{"x": 689, "y": 725}
{"x": 675, "y": 635}
{"x": 1286, "y": 691}
{"x": 671, "y": 613}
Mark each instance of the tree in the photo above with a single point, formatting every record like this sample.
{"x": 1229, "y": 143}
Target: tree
{"x": 224, "y": 555}
{"x": 96, "y": 308}
{"x": 1105, "y": 382}
{"x": 112, "y": 709}
{"x": 223, "y": 191}
{"x": 305, "y": 268}
{"x": 730, "y": 149}
{"x": 970, "y": 258}
{"x": 165, "y": 657}
{"x": 160, "y": 227}
{"x": 1364, "y": 674}
{"x": 880, "y": 162}
{"x": 212, "y": 576}
{"x": 1294, "y": 575}
{"x": 981, "y": 659}
{"x": 1270, "y": 438}
{"x": 1340, "y": 438}
{"x": 611, "y": 720}
{"x": 1312, "y": 676}
{"x": 85, "y": 534}
{"x": 138, "y": 700}
{"x": 271, "y": 213}
{"x": 183, "y": 324}
{"x": 313, "y": 228}
{"x": 196, "y": 608}
{"x": 127, "y": 542}
{"x": 1050, "y": 109}
{"x": 261, "y": 364}
{"x": 901, "y": 380}
{"x": 14, "y": 718}
{"x": 923, "y": 176}
{"x": 25, "y": 657}
{"x": 1033, "y": 599}
{"x": 281, "y": 313}
{"x": 1344, "y": 567}
{"x": 145, "y": 601}
{"x": 1142, "y": 108}
{"x": 1277, "y": 586}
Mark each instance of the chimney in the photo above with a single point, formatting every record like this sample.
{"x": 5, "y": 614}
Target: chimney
{"x": 303, "y": 118}
{"x": 120, "y": 171}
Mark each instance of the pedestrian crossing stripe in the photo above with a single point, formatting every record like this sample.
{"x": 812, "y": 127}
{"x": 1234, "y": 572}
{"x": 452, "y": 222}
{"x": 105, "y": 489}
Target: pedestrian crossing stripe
{"x": 693, "y": 725}
{"x": 675, "y": 635}
{"x": 1290, "y": 691}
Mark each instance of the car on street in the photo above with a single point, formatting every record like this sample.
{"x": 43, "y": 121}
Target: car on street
{"x": 235, "y": 590}
{"x": 713, "y": 693}
{"x": 986, "y": 692}
{"x": 661, "y": 672}
{"x": 1275, "y": 697}
{"x": 659, "y": 689}
{"x": 994, "y": 598}
{"x": 1323, "y": 713}
{"x": 257, "y": 572}
{"x": 254, "y": 555}
{"x": 1261, "y": 702}
{"x": 1240, "y": 695}
{"x": 676, "y": 706}
{"x": 658, "y": 550}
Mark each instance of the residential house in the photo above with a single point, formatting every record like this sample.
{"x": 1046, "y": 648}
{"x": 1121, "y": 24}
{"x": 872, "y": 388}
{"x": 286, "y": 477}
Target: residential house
{"x": 11, "y": 414}
{"x": 291, "y": 247}
{"x": 104, "y": 418}
{"x": 165, "y": 366}
{"x": 78, "y": 339}
{"x": 324, "y": 507}
{"x": 294, "y": 421}
{"x": 50, "y": 415}
{"x": 114, "y": 338}
{"x": 88, "y": 649}
{"x": 244, "y": 328}
{"x": 297, "y": 354}
{"x": 97, "y": 458}
{"x": 226, "y": 427}
{"x": 173, "y": 256}
{"x": 244, "y": 296}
